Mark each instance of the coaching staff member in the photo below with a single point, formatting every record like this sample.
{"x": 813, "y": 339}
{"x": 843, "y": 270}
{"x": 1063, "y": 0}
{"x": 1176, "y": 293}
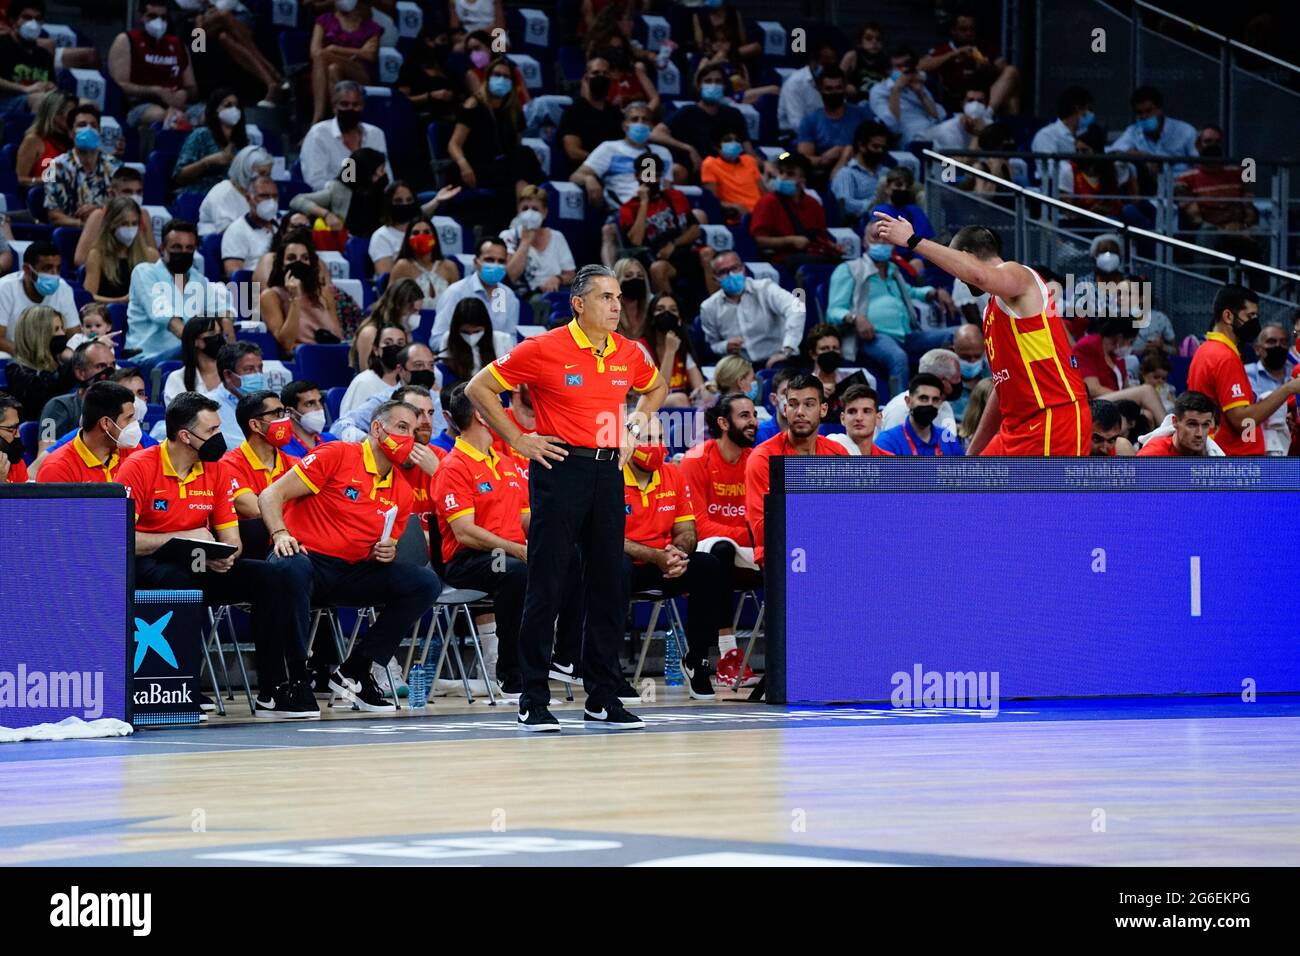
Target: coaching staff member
{"x": 578, "y": 376}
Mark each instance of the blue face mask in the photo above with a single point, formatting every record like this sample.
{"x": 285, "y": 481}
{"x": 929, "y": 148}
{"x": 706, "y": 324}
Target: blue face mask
{"x": 638, "y": 133}
{"x": 755, "y": 390}
{"x": 500, "y": 85}
{"x": 785, "y": 187}
{"x": 971, "y": 370}
{"x": 893, "y": 77}
{"x": 1149, "y": 124}
{"x": 880, "y": 251}
{"x": 733, "y": 283}
{"x": 1084, "y": 122}
{"x": 46, "y": 285}
{"x": 87, "y": 138}
{"x": 711, "y": 92}
{"x": 252, "y": 382}
{"x": 732, "y": 150}
{"x": 491, "y": 273}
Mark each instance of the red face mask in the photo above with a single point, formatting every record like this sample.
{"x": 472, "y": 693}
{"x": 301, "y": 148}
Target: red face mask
{"x": 397, "y": 448}
{"x": 422, "y": 244}
{"x": 279, "y": 432}
{"x": 650, "y": 457}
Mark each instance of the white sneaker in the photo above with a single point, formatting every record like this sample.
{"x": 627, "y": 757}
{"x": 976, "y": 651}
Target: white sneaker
{"x": 384, "y": 680}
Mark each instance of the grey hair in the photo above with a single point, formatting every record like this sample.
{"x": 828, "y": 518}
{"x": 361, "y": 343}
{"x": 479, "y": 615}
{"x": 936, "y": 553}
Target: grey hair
{"x": 940, "y": 362}
{"x": 243, "y": 168}
{"x": 583, "y": 281}
{"x": 347, "y": 86}
{"x": 635, "y": 105}
{"x": 384, "y": 413}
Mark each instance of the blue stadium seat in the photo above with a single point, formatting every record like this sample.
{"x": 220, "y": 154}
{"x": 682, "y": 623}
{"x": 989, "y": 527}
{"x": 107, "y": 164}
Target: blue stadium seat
{"x": 700, "y": 344}
{"x": 263, "y": 340}
{"x": 326, "y": 365}
{"x": 30, "y": 433}
{"x": 169, "y": 140}
{"x": 65, "y": 240}
{"x": 186, "y": 206}
{"x": 210, "y": 247}
{"x": 154, "y": 415}
{"x": 295, "y": 50}
{"x": 36, "y": 203}
{"x": 424, "y": 328}
{"x": 333, "y": 399}
{"x": 571, "y": 64}
{"x": 165, "y": 369}
{"x": 80, "y": 297}
{"x": 744, "y": 244}
{"x": 158, "y": 177}
{"x": 9, "y": 168}
{"x": 768, "y": 130}
{"x": 357, "y": 252}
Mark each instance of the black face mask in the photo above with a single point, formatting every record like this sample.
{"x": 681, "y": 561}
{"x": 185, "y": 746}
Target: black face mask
{"x": 1274, "y": 358}
{"x": 633, "y": 289}
{"x": 403, "y": 212}
{"x": 667, "y": 322}
{"x": 211, "y": 345}
{"x": 1248, "y": 331}
{"x": 924, "y": 415}
{"x": 900, "y": 198}
{"x": 598, "y": 86}
{"x": 348, "y": 119}
{"x": 13, "y": 450}
{"x": 212, "y": 449}
{"x": 829, "y": 361}
{"x": 180, "y": 263}
{"x": 388, "y": 356}
{"x": 832, "y": 101}
{"x": 101, "y": 376}
{"x": 57, "y": 344}
{"x": 425, "y": 378}
{"x": 872, "y": 158}
{"x": 1212, "y": 149}
{"x": 300, "y": 269}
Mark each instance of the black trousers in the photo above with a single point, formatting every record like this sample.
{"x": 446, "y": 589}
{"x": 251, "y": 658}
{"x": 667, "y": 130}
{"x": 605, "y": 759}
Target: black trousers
{"x": 403, "y": 592}
{"x": 706, "y": 601}
{"x": 505, "y": 579}
{"x": 257, "y": 583}
{"x": 734, "y": 578}
{"x": 573, "y": 612}
{"x": 578, "y": 501}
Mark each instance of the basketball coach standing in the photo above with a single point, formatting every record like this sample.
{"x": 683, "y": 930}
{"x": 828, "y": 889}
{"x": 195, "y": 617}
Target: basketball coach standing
{"x": 579, "y": 376}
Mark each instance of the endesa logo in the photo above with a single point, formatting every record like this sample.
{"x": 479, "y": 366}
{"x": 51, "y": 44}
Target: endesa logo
{"x": 727, "y": 511}
{"x": 1001, "y": 375}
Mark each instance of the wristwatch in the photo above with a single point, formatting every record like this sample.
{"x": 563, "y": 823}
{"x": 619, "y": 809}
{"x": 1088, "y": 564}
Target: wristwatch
{"x": 635, "y": 429}
{"x": 913, "y": 240}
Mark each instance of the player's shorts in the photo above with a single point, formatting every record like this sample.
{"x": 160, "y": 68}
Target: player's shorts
{"x": 1062, "y": 431}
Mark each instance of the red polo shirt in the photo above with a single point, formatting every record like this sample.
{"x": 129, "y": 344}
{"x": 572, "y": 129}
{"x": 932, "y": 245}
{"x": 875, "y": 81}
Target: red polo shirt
{"x": 166, "y": 503}
{"x": 578, "y": 394}
{"x": 422, "y": 485}
{"x": 717, "y": 492}
{"x": 653, "y": 511}
{"x": 489, "y": 487}
{"x": 76, "y": 462}
{"x": 1217, "y": 370}
{"x": 504, "y": 449}
{"x": 344, "y": 515}
{"x": 248, "y": 473}
{"x": 757, "y": 479}
{"x": 18, "y": 472}
{"x": 1162, "y": 447}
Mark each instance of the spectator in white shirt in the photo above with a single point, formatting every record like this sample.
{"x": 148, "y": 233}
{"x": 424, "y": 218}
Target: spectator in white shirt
{"x": 331, "y": 141}
{"x": 486, "y": 283}
{"x": 1073, "y": 117}
{"x": 961, "y": 130}
{"x": 228, "y": 200}
{"x": 249, "y": 237}
{"x": 1153, "y": 133}
{"x": 38, "y": 283}
{"x": 609, "y": 172}
{"x": 799, "y": 94}
{"x": 539, "y": 259}
{"x": 902, "y": 102}
{"x": 755, "y": 318}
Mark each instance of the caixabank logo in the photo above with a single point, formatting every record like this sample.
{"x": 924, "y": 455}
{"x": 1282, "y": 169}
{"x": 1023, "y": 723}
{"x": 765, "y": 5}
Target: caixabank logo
{"x": 159, "y": 681}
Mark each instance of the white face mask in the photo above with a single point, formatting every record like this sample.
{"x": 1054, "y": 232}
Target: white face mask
{"x": 230, "y": 115}
{"x": 137, "y": 199}
{"x": 976, "y": 110}
{"x": 129, "y": 436}
{"x": 1107, "y": 262}
{"x": 412, "y": 321}
{"x": 472, "y": 338}
{"x": 530, "y": 219}
{"x": 126, "y": 234}
{"x": 156, "y": 27}
{"x": 268, "y": 209}
{"x": 313, "y": 422}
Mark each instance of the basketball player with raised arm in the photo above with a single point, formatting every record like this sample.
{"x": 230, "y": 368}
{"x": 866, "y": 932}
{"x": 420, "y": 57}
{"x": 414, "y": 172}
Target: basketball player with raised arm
{"x": 1039, "y": 405}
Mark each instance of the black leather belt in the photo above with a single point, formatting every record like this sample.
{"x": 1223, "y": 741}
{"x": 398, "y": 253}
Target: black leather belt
{"x": 600, "y": 454}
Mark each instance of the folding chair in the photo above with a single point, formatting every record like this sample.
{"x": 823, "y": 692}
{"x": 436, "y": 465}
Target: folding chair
{"x": 755, "y": 631}
{"x": 213, "y": 640}
{"x": 657, "y": 602}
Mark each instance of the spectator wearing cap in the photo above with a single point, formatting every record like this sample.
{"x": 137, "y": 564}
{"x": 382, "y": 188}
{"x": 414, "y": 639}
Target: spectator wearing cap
{"x": 152, "y": 67}
{"x": 1193, "y": 421}
{"x": 753, "y": 318}
{"x": 919, "y": 435}
{"x": 788, "y": 225}
{"x": 860, "y": 418}
{"x": 329, "y": 142}
{"x": 1108, "y": 438}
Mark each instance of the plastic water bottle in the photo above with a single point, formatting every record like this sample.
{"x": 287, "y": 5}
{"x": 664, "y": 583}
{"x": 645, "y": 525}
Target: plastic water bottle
{"x": 417, "y": 684}
{"x": 431, "y": 665}
{"x": 672, "y": 658}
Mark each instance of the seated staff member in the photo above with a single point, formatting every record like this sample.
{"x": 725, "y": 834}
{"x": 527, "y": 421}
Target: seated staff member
{"x": 805, "y": 407}
{"x": 418, "y": 470}
{"x": 306, "y": 407}
{"x": 181, "y": 490}
{"x": 1195, "y": 417}
{"x": 108, "y": 430}
{"x": 1108, "y": 439}
{"x": 259, "y": 460}
{"x": 482, "y": 506}
{"x": 332, "y": 547}
{"x": 12, "y": 467}
{"x": 659, "y": 553}
{"x": 860, "y": 415}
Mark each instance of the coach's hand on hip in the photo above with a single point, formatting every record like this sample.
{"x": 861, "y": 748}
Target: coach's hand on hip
{"x": 540, "y": 448}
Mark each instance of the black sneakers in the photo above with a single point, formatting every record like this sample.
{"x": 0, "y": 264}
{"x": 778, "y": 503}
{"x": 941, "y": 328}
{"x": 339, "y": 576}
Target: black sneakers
{"x": 536, "y": 719}
{"x": 289, "y": 701}
{"x": 627, "y": 694}
{"x": 612, "y": 717}
{"x": 565, "y": 671}
{"x": 698, "y": 681}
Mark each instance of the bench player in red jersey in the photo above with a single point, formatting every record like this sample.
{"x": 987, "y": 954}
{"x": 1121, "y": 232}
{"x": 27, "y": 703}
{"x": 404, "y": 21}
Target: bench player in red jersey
{"x": 1039, "y": 404}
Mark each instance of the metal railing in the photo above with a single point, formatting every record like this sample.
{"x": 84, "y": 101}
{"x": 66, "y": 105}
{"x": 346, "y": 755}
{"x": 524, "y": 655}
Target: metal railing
{"x": 1043, "y": 231}
{"x": 1205, "y": 76}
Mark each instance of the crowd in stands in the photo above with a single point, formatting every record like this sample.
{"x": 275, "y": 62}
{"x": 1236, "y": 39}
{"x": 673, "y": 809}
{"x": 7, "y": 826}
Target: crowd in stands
{"x": 281, "y": 259}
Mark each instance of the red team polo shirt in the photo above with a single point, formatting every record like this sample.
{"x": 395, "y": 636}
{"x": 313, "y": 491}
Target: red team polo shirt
{"x": 422, "y": 485}
{"x": 717, "y": 492}
{"x": 653, "y": 512}
{"x": 18, "y": 472}
{"x": 757, "y": 479}
{"x": 164, "y": 503}
{"x": 1217, "y": 371}
{"x": 1162, "y": 447}
{"x": 76, "y": 462}
{"x": 344, "y": 515}
{"x": 575, "y": 391}
{"x": 247, "y": 473}
{"x": 505, "y": 450}
{"x": 489, "y": 487}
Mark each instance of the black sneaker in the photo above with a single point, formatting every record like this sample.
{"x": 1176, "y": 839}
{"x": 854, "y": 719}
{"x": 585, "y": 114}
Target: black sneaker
{"x": 613, "y": 717}
{"x": 698, "y": 681}
{"x": 289, "y": 701}
{"x": 370, "y": 697}
{"x": 302, "y": 702}
{"x": 206, "y": 703}
{"x": 627, "y": 694}
{"x": 565, "y": 671}
{"x": 536, "y": 719}
{"x": 319, "y": 682}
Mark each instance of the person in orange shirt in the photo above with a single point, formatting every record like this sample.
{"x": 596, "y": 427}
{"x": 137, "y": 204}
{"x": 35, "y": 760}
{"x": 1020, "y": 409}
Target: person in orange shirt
{"x": 12, "y": 467}
{"x": 180, "y": 490}
{"x": 733, "y": 176}
{"x": 1195, "y": 416}
{"x": 1039, "y": 406}
{"x": 108, "y": 431}
{"x": 1217, "y": 371}
{"x": 659, "y": 555}
{"x": 334, "y": 545}
{"x": 805, "y": 407}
